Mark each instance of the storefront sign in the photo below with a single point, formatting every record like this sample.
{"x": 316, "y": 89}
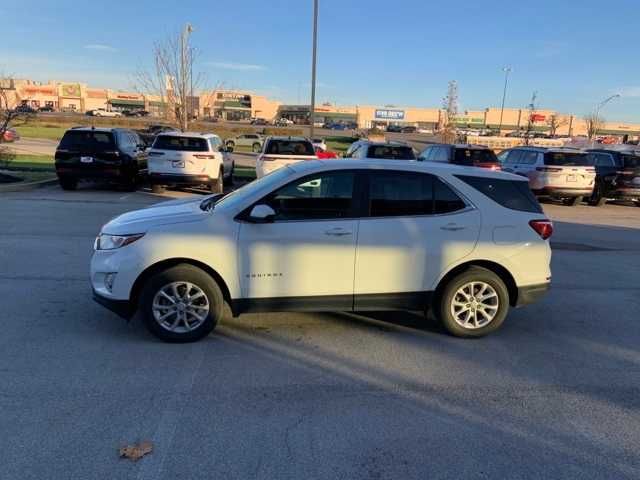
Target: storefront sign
{"x": 70, "y": 90}
{"x": 536, "y": 117}
{"x": 390, "y": 114}
{"x": 123, "y": 96}
{"x": 35, "y": 90}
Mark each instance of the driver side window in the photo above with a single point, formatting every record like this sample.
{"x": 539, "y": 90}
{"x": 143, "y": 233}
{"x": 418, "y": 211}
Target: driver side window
{"x": 327, "y": 195}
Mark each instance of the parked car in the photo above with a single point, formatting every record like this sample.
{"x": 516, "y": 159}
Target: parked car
{"x": 394, "y": 128}
{"x": 617, "y": 175}
{"x": 46, "y": 109}
{"x": 461, "y": 154}
{"x": 339, "y": 126}
{"x": 281, "y": 151}
{"x": 283, "y": 122}
{"x": 101, "y": 112}
{"x": 25, "y": 109}
{"x": 380, "y": 150}
{"x": 259, "y": 121}
{"x": 560, "y": 173}
{"x": 10, "y": 135}
{"x": 149, "y": 134}
{"x": 331, "y": 236}
{"x": 425, "y": 131}
{"x": 319, "y": 143}
{"x": 135, "y": 113}
{"x": 189, "y": 159}
{"x": 408, "y": 129}
{"x": 113, "y": 154}
{"x": 249, "y": 140}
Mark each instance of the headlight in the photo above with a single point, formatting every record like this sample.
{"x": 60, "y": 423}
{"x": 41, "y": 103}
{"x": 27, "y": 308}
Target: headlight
{"x": 111, "y": 242}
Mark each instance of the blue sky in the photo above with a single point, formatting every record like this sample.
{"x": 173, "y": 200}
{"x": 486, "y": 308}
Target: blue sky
{"x": 402, "y": 52}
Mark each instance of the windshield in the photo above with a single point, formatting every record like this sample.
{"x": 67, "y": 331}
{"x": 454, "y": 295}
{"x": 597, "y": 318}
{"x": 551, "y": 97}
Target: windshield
{"x": 469, "y": 156}
{"x": 185, "y": 144}
{"x": 290, "y": 147}
{"x": 391, "y": 152}
{"x": 87, "y": 140}
{"x": 246, "y": 191}
{"x": 568, "y": 159}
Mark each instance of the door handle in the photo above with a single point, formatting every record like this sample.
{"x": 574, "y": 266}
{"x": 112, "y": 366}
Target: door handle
{"x": 337, "y": 232}
{"x": 452, "y": 227}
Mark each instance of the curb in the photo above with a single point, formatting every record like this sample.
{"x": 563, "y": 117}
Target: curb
{"x": 19, "y": 187}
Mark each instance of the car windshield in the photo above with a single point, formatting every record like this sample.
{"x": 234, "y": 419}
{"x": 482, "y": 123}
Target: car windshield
{"x": 471, "y": 156}
{"x": 87, "y": 139}
{"x": 569, "y": 159}
{"x": 185, "y": 144}
{"x": 391, "y": 152}
{"x": 631, "y": 161}
{"x": 290, "y": 147}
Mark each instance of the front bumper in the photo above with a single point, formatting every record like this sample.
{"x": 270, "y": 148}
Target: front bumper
{"x": 532, "y": 293}
{"x": 122, "y": 308}
{"x": 178, "y": 179}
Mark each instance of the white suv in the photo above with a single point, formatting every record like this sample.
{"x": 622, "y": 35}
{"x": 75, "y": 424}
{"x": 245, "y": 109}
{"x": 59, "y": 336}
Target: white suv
{"x": 562, "y": 173}
{"x": 278, "y": 152}
{"x": 189, "y": 159}
{"x": 338, "y": 235}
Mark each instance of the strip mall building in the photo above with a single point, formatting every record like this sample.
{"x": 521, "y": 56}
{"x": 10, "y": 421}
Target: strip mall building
{"x": 234, "y": 105}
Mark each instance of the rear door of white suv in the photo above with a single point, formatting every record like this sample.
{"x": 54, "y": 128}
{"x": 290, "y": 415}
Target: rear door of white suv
{"x": 417, "y": 226}
{"x": 304, "y": 257}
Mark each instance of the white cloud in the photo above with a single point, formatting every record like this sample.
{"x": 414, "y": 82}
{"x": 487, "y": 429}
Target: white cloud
{"x": 99, "y": 47}
{"x": 236, "y": 66}
{"x": 632, "y": 91}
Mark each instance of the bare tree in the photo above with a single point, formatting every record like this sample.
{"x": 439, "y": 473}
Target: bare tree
{"x": 172, "y": 76}
{"x": 7, "y": 111}
{"x": 530, "y": 118}
{"x": 449, "y": 132}
{"x": 555, "y": 122}
{"x": 594, "y": 123}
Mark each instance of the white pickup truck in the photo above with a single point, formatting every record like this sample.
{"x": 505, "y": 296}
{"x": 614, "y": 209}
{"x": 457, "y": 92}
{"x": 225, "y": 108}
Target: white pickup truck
{"x": 280, "y": 151}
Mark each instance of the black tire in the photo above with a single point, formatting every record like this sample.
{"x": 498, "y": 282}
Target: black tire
{"x": 256, "y": 148}
{"x": 182, "y": 273}
{"x": 572, "y": 202}
{"x": 597, "y": 200}
{"x": 130, "y": 184}
{"x": 228, "y": 181}
{"x": 157, "y": 188}
{"x": 217, "y": 185}
{"x": 446, "y": 297}
{"x": 68, "y": 183}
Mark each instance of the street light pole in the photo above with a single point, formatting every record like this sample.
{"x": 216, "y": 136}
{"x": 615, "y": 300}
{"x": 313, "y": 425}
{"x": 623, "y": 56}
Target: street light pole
{"x": 596, "y": 119}
{"x": 507, "y": 71}
{"x": 312, "y": 107}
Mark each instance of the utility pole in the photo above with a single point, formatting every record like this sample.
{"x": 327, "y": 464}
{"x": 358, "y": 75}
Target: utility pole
{"x": 597, "y": 116}
{"x": 312, "y": 107}
{"x": 532, "y": 109}
{"x": 184, "y": 41}
{"x": 507, "y": 71}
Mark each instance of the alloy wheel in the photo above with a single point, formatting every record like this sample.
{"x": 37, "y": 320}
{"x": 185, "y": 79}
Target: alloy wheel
{"x": 475, "y": 305}
{"x": 180, "y": 307}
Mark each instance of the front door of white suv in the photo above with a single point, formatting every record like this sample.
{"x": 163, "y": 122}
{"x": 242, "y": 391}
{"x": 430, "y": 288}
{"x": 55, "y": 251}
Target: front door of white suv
{"x": 418, "y": 226}
{"x": 308, "y": 250}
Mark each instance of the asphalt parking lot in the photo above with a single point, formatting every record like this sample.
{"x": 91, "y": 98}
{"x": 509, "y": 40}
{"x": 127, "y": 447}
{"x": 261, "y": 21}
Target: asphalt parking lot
{"x": 554, "y": 394}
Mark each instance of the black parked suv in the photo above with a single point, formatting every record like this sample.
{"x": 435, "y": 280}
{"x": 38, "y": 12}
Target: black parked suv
{"x": 617, "y": 175}
{"x": 112, "y": 154}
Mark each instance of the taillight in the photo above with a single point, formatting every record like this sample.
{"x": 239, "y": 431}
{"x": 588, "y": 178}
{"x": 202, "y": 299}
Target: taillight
{"x": 544, "y": 228}
{"x": 113, "y": 153}
{"x": 205, "y": 157}
{"x": 548, "y": 169}
{"x": 490, "y": 166}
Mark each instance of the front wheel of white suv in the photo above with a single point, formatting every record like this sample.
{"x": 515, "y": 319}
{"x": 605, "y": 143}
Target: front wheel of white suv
{"x": 474, "y": 303}
{"x": 181, "y": 304}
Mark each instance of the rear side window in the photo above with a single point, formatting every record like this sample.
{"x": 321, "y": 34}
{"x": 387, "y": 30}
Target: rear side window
{"x": 512, "y": 194}
{"x": 391, "y": 152}
{"x": 470, "y": 157}
{"x": 630, "y": 161}
{"x": 185, "y": 144}
{"x": 568, "y": 159}
{"x": 87, "y": 140}
{"x": 290, "y": 147}
{"x": 396, "y": 194}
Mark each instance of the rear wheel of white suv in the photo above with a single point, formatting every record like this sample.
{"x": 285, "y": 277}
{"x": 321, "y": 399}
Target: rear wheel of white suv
{"x": 217, "y": 185}
{"x": 181, "y": 304}
{"x": 572, "y": 201}
{"x": 474, "y": 303}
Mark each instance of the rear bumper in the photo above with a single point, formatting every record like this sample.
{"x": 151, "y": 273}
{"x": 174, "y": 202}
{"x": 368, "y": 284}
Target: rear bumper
{"x": 532, "y": 293}
{"x": 122, "y": 308}
{"x": 625, "y": 194}
{"x": 178, "y": 179}
{"x": 106, "y": 172}
{"x": 564, "y": 192}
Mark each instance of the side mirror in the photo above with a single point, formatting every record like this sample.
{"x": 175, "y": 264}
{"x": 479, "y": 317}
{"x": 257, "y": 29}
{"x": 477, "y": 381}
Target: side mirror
{"x": 262, "y": 214}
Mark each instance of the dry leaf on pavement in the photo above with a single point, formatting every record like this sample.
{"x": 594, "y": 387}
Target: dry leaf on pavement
{"x": 136, "y": 452}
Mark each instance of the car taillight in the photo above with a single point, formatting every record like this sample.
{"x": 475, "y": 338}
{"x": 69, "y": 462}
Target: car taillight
{"x": 113, "y": 153}
{"x": 489, "y": 165}
{"x": 544, "y": 228}
{"x": 548, "y": 169}
{"x": 205, "y": 157}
